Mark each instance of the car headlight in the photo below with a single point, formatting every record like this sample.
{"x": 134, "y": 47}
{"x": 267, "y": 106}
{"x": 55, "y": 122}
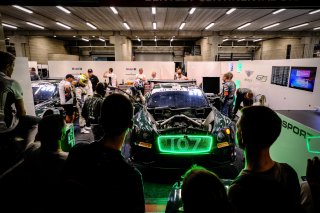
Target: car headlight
{"x": 220, "y": 136}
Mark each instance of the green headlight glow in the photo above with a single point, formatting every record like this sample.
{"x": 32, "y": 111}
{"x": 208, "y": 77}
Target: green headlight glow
{"x": 185, "y": 144}
{"x": 312, "y": 149}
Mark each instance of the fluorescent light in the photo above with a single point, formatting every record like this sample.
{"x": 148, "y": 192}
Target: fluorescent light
{"x": 91, "y": 25}
{"x": 260, "y": 39}
{"x": 73, "y": 36}
{"x": 64, "y": 9}
{"x": 139, "y": 39}
{"x": 300, "y": 25}
{"x": 231, "y": 11}
{"x": 182, "y": 25}
{"x": 316, "y": 28}
{"x": 126, "y": 25}
{"x": 243, "y": 26}
{"x": 270, "y": 26}
{"x": 10, "y": 26}
{"x": 278, "y": 11}
{"x": 192, "y": 10}
{"x": 154, "y": 24}
{"x": 153, "y": 9}
{"x": 209, "y": 26}
{"x": 241, "y": 40}
{"x": 22, "y": 8}
{"x": 84, "y": 39}
{"x": 114, "y": 10}
{"x": 171, "y": 40}
{"x": 101, "y": 39}
{"x": 155, "y": 39}
{"x": 313, "y": 12}
{"x": 54, "y": 36}
{"x": 225, "y": 40}
{"x": 93, "y": 36}
{"x": 63, "y": 25}
{"x": 35, "y": 25}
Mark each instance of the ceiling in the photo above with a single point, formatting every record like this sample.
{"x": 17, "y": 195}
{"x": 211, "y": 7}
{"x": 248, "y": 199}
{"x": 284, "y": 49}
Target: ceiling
{"x": 168, "y": 20}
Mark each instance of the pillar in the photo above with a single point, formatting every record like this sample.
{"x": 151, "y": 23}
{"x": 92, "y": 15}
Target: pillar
{"x": 122, "y": 47}
{"x": 309, "y": 43}
{"x": 20, "y": 45}
{"x": 2, "y": 37}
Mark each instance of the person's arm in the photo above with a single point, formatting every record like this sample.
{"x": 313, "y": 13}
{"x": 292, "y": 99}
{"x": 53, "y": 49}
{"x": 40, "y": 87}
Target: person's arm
{"x": 313, "y": 178}
{"x": 18, "y": 95}
{"x": 105, "y": 75}
{"x": 21, "y": 111}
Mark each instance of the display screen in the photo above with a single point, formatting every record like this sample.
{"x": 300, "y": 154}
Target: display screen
{"x": 303, "y": 78}
{"x": 211, "y": 85}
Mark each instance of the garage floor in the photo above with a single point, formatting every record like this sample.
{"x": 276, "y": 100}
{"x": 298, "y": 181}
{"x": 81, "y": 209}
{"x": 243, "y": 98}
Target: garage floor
{"x": 158, "y": 183}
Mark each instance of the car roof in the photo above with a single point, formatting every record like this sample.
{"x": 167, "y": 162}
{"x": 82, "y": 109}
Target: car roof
{"x": 44, "y": 82}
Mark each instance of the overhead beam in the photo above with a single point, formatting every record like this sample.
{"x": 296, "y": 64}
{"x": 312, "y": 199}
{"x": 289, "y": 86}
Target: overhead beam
{"x": 171, "y": 3}
{"x": 164, "y": 34}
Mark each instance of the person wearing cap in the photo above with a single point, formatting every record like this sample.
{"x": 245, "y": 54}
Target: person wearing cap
{"x": 66, "y": 92}
{"x": 93, "y": 78}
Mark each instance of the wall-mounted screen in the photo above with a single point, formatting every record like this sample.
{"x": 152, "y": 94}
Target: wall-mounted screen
{"x": 280, "y": 75}
{"x": 211, "y": 85}
{"x": 302, "y": 78}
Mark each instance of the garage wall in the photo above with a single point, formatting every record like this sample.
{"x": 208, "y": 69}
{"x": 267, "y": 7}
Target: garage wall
{"x": 153, "y": 57}
{"x": 278, "y": 97}
{"x": 197, "y": 70}
{"x": 125, "y": 70}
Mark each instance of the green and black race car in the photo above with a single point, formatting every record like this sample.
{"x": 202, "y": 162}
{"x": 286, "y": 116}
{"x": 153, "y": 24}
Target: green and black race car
{"x": 178, "y": 127}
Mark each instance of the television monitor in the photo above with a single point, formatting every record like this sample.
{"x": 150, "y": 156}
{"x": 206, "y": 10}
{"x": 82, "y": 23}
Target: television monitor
{"x": 303, "y": 78}
{"x": 211, "y": 85}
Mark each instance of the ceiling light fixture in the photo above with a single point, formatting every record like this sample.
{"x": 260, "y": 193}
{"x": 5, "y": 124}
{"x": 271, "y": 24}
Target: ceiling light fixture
{"x": 54, "y": 36}
{"x": 171, "y": 40}
{"x": 260, "y": 39}
{"x": 114, "y": 10}
{"x": 182, "y": 25}
{"x": 84, "y": 39}
{"x": 91, "y": 25}
{"x": 22, "y": 8}
{"x": 241, "y": 40}
{"x": 243, "y": 26}
{"x": 63, "y": 9}
{"x": 63, "y": 25}
{"x": 192, "y": 10}
{"x": 154, "y": 24}
{"x": 209, "y": 26}
{"x": 225, "y": 40}
{"x": 231, "y": 11}
{"x": 73, "y": 36}
{"x": 313, "y": 12}
{"x": 126, "y": 25}
{"x": 35, "y": 25}
{"x": 155, "y": 38}
{"x": 102, "y": 39}
{"x": 278, "y": 11}
{"x": 153, "y": 9}
{"x": 10, "y": 26}
{"x": 270, "y": 26}
{"x": 316, "y": 28}
{"x": 300, "y": 25}
{"x": 139, "y": 39}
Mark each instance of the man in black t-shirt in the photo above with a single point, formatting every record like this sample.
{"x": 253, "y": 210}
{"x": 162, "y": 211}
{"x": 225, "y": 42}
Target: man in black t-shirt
{"x": 263, "y": 185}
{"x": 93, "y": 78}
{"x": 97, "y": 176}
{"x": 245, "y": 96}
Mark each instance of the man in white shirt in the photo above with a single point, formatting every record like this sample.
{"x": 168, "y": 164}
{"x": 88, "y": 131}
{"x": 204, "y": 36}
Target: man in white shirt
{"x": 141, "y": 76}
{"x": 110, "y": 78}
{"x": 66, "y": 92}
{"x": 180, "y": 76}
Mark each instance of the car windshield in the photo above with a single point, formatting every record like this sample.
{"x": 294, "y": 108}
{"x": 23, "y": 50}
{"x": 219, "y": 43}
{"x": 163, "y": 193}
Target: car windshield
{"x": 43, "y": 92}
{"x": 178, "y": 99}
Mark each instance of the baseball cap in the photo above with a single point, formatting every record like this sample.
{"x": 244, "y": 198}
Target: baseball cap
{"x": 90, "y": 70}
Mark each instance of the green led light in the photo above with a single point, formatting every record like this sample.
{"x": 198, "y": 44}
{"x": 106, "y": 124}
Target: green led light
{"x": 185, "y": 144}
{"x": 308, "y": 144}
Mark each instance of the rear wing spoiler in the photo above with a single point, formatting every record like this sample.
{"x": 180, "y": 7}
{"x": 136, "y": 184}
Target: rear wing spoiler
{"x": 192, "y": 81}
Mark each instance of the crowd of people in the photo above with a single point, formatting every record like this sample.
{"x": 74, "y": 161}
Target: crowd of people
{"x": 95, "y": 177}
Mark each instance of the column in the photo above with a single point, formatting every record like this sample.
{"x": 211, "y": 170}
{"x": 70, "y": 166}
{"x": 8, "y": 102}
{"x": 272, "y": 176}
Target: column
{"x": 309, "y": 43}
{"x": 2, "y": 37}
{"x": 214, "y": 41}
{"x": 122, "y": 47}
{"x": 20, "y": 45}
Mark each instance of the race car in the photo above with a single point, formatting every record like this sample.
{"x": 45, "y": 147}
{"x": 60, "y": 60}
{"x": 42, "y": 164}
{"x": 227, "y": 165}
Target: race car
{"x": 178, "y": 127}
{"x": 46, "y": 96}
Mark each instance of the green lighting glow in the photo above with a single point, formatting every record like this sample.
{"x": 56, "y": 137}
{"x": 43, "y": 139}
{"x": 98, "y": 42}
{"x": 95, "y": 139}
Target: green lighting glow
{"x": 185, "y": 144}
{"x": 309, "y": 146}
